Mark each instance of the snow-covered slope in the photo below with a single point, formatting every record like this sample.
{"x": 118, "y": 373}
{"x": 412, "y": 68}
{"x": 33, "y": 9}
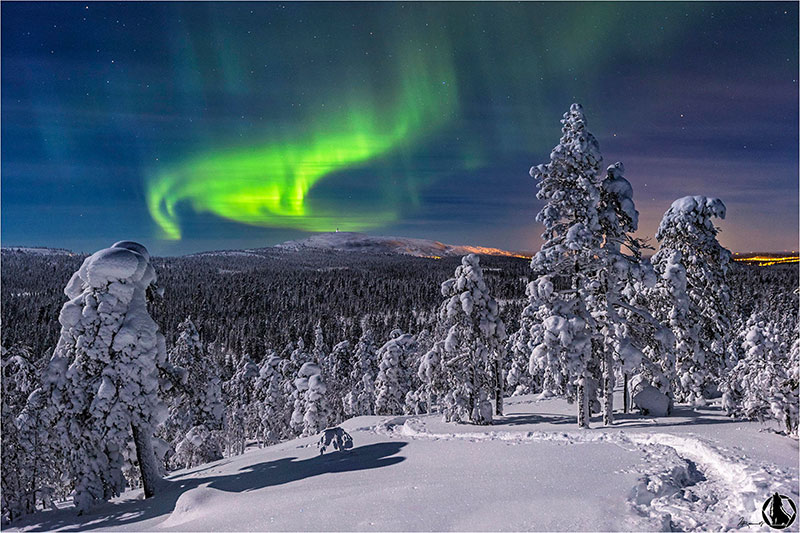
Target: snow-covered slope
{"x": 533, "y": 470}
{"x": 361, "y": 242}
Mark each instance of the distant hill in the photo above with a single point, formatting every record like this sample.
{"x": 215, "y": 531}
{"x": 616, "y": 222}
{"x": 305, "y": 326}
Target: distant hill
{"x": 36, "y": 250}
{"x": 360, "y": 242}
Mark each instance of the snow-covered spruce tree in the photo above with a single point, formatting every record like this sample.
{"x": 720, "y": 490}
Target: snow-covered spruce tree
{"x": 433, "y": 374}
{"x": 361, "y": 399}
{"x": 569, "y": 185}
{"x": 763, "y": 384}
{"x": 270, "y": 399}
{"x": 194, "y": 400}
{"x": 627, "y": 336}
{"x": 785, "y": 404}
{"x": 104, "y": 376}
{"x": 474, "y": 346}
{"x": 43, "y": 473}
{"x": 22, "y": 465}
{"x": 519, "y": 380}
{"x": 336, "y": 368}
{"x": 311, "y": 410}
{"x": 687, "y": 227}
{"x": 393, "y": 381}
{"x": 320, "y": 350}
{"x": 298, "y": 356}
{"x": 241, "y": 417}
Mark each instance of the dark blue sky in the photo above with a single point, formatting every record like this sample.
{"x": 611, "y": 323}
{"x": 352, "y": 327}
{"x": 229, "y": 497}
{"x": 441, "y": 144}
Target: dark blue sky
{"x": 418, "y": 119}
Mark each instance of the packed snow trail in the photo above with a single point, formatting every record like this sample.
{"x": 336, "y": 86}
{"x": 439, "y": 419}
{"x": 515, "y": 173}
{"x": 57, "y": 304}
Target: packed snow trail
{"x": 686, "y": 483}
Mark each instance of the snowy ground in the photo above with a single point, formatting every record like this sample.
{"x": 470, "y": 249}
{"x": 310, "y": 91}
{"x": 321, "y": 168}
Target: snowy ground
{"x": 533, "y": 470}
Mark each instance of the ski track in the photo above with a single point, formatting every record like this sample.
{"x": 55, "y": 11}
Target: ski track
{"x": 686, "y": 482}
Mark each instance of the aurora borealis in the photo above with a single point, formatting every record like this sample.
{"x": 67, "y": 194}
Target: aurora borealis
{"x": 196, "y": 126}
{"x": 267, "y": 185}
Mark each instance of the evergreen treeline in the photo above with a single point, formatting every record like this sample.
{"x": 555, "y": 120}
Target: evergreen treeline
{"x": 253, "y": 302}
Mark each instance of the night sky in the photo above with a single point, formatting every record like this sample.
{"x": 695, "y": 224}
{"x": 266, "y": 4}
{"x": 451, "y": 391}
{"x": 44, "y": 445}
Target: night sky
{"x": 199, "y": 126}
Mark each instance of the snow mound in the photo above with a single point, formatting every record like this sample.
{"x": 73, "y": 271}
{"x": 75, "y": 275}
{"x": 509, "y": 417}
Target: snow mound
{"x": 652, "y": 401}
{"x": 192, "y": 505}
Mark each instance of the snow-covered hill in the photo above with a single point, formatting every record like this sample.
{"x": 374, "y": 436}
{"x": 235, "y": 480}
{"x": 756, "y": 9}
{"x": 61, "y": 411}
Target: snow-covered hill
{"x": 361, "y": 242}
{"x": 35, "y": 250}
{"x": 533, "y": 470}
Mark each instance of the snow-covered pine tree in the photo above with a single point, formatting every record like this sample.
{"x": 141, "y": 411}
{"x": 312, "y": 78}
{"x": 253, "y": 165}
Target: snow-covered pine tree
{"x": 194, "y": 400}
{"x": 103, "y": 378}
{"x": 518, "y": 378}
{"x": 624, "y": 327}
{"x": 319, "y": 352}
{"x": 44, "y": 473}
{"x": 570, "y": 186}
{"x": 241, "y": 418}
{"x": 474, "y": 345}
{"x": 687, "y": 227}
{"x": 785, "y": 403}
{"x": 270, "y": 399}
{"x": 393, "y": 380}
{"x": 763, "y": 383}
{"x": 22, "y": 465}
{"x": 337, "y": 370}
{"x": 298, "y": 356}
{"x": 311, "y": 410}
{"x": 433, "y": 374}
{"x": 361, "y": 398}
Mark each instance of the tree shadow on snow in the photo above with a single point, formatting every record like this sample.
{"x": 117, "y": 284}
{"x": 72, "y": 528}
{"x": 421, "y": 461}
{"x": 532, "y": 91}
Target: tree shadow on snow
{"x": 681, "y": 416}
{"x": 251, "y": 478}
{"x": 536, "y": 418}
{"x": 288, "y": 469}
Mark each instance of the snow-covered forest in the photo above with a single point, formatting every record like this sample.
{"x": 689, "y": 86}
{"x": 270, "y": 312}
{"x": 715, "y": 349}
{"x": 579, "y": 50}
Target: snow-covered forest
{"x": 151, "y": 365}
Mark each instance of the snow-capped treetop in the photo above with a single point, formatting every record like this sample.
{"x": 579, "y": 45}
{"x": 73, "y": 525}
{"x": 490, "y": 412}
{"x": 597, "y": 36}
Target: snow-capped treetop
{"x": 617, "y": 212}
{"x": 124, "y": 262}
{"x": 308, "y": 370}
{"x": 468, "y": 293}
{"x": 304, "y": 375}
{"x": 134, "y": 247}
{"x": 692, "y": 215}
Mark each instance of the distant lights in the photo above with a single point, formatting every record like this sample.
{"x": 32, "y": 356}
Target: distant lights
{"x": 767, "y": 260}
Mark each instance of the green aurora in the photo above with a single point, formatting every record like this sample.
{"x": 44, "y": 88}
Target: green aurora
{"x": 270, "y": 185}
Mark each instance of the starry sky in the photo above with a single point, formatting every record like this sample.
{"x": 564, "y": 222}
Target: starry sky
{"x": 199, "y": 126}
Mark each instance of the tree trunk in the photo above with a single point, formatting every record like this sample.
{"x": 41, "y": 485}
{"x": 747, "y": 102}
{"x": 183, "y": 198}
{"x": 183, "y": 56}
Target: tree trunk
{"x": 499, "y": 391}
{"x": 147, "y": 460}
{"x": 608, "y": 389}
{"x": 625, "y": 405}
{"x": 583, "y": 403}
